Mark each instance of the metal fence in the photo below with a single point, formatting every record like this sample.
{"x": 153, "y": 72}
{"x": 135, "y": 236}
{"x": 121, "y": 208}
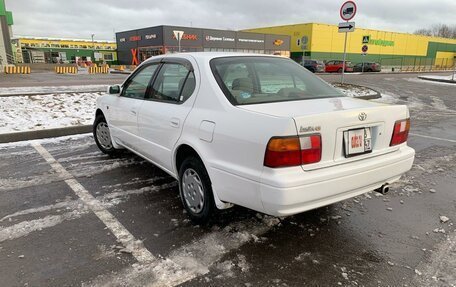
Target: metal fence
{"x": 417, "y": 64}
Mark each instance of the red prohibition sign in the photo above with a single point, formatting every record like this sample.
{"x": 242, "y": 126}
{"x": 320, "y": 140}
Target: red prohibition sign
{"x": 347, "y": 13}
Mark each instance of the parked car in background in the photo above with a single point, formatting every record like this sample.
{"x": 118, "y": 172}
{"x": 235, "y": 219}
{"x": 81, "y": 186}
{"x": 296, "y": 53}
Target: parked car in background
{"x": 336, "y": 66}
{"x": 253, "y": 130}
{"x": 368, "y": 67}
{"x": 315, "y": 66}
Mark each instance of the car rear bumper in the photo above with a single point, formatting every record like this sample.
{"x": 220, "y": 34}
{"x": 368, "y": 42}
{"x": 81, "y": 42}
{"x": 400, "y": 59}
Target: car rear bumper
{"x": 290, "y": 191}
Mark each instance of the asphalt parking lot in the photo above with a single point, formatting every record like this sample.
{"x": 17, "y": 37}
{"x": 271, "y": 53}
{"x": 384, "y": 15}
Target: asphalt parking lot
{"x": 71, "y": 216}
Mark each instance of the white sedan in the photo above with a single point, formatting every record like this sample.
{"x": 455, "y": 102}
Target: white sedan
{"x": 253, "y": 130}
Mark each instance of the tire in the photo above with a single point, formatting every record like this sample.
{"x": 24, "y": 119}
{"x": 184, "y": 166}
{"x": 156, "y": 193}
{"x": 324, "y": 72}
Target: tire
{"x": 195, "y": 190}
{"x": 340, "y": 70}
{"x": 102, "y": 136}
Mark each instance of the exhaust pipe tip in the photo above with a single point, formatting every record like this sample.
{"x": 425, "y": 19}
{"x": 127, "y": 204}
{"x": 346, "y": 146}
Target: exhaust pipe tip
{"x": 384, "y": 189}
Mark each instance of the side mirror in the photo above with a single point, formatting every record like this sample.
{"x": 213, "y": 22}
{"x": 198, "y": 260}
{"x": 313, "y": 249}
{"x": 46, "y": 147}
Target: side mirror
{"x": 113, "y": 90}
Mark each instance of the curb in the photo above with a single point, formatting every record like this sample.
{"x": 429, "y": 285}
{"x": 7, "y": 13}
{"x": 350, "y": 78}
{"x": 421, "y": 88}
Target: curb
{"x": 438, "y": 80}
{"x": 47, "y": 133}
{"x": 120, "y": 72}
{"x": 48, "y": 93}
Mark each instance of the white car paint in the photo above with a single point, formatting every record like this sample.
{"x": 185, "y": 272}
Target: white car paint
{"x": 231, "y": 141}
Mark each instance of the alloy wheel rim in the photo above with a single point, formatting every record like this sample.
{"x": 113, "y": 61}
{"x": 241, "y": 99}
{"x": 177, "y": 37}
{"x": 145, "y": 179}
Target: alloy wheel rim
{"x": 193, "y": 190}
{"x": 103, "y": 135}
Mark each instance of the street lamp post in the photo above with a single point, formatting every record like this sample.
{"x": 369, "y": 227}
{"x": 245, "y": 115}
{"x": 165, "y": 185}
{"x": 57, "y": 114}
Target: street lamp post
{"x": 93, "y": 47}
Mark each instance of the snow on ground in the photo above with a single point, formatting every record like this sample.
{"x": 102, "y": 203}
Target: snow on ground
{"x": 52, "y": 89}
{"x": 354, "y": 91}
{"x": 436, "y": 77}
{"x": 27, "y": 113}
{"x": 421, "y": 81}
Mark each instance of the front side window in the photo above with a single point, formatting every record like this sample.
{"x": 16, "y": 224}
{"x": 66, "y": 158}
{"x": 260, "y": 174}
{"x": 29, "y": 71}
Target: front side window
{"x": 136, "y": 86}
{"x": 174, "y": 83}
{"x": 255, "y": 80}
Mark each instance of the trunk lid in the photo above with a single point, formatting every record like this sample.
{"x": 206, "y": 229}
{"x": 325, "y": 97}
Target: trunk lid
{"x": 332, "y": 117}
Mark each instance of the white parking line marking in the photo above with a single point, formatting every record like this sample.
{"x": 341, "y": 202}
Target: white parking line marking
{"x": 183, "y": 264}
{"x": 120, "y": 232}
{"x": 434, "y": 138}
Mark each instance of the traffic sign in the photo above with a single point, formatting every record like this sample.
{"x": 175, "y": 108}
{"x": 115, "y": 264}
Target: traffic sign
{"x": 345, "y": 27}
{"x": 364, "y": 48}
{"x": 348, "y": 10}
{"x": 366, "y": 39}
{"x": 178, "y": 34}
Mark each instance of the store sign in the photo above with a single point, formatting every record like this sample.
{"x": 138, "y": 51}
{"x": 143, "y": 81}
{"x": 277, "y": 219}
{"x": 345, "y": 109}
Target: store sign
{"x": 190, "y": 37}
{"x": 278, "y": 42}
{"x": 377, "y": 42}
{"x": 218, "y": 39}
{"x": 384, "y": 43}
{"x": 251, "y": 40}
{"x": 135, "y": 38}
{"x": 150, "y": 36}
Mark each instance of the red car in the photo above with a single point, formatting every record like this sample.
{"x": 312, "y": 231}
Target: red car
{"x": 336, "y": 66}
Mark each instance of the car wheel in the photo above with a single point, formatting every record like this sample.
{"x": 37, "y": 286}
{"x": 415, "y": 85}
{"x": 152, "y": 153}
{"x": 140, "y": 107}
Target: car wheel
{"x": 195, "y": 190}
{"x": 102, "y": 135}
{"x": 340, "y": 70}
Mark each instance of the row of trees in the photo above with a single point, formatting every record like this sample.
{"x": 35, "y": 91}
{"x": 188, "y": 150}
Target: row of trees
{"x": 439, "y": 30}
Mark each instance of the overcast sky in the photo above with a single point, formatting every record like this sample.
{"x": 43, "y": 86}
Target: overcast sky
{"x": 81, "y": 18}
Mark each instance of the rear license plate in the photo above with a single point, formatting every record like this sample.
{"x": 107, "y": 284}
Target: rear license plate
{"x": 357, "y": 141}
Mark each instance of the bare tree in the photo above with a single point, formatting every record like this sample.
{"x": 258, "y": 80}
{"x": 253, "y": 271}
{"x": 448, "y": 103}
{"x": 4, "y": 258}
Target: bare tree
{"x": 424, "y": 32}
{"x": 438, "y": 30}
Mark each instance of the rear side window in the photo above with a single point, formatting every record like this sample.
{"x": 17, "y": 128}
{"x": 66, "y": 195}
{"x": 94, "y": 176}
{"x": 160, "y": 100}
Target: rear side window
{"x": 174, "y": 83}
{"x": 255, "y": 80}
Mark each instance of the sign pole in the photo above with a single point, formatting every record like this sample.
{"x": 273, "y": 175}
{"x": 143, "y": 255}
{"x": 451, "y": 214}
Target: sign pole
{"x": 362, "y": 67}
{"x": 343, "y": 63}
{"x": 346, "y": 12}
{"x": 454, "y": 71}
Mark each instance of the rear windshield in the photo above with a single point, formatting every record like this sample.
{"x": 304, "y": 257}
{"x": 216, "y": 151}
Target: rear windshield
{"x": 255, "y": 80}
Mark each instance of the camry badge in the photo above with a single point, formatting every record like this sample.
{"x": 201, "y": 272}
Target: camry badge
{"x": 362, "y": 116}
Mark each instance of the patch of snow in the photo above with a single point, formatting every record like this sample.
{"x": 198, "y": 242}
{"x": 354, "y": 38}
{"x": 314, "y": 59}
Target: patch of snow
{"x": 437, "y": 77}
{"x": 444, "y": 219}
{"x": 421, "y": 81}
{"x": 28, "y": 113}
{"x": 354, "y": 91}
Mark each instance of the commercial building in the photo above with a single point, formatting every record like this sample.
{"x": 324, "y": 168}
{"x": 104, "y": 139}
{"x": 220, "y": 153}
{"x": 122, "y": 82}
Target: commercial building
{"x": 6, "y": 21}
{"x": 401, "y": 50}
{"x": 135, "y": 46}
{"x": 53, "y": 50}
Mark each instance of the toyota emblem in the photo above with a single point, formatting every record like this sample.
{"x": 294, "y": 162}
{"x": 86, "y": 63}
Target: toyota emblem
{"x": 362, "y": 116}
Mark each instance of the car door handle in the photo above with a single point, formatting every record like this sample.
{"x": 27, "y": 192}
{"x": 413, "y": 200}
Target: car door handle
{"x": 133, "y": 112}
{"x": 175, "y": 122}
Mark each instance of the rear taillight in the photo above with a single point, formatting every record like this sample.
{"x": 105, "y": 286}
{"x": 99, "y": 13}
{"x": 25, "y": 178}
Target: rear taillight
{"x": 293, "y": 151}
{"x": 400, "y": 132}
{"x": 310, "y": 149}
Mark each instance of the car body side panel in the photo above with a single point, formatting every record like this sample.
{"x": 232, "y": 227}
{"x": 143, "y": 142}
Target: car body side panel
{"x": 234, "y": 158}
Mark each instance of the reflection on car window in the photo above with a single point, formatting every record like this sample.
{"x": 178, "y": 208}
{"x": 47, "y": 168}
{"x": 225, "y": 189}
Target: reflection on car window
{"x": 137, "y": 86}
{"x": 233, "y": 72}
{"x": 253, "y": 80}
{"x": 172, "y": 80}
{"x": 273, "y": 79}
